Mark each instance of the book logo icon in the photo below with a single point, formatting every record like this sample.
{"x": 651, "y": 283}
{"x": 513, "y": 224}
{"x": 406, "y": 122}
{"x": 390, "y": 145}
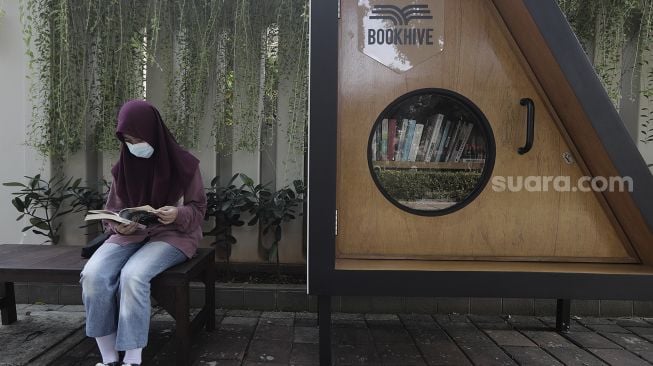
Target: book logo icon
{"x": 399, "y": 33}
{"x": 401, "y": 16}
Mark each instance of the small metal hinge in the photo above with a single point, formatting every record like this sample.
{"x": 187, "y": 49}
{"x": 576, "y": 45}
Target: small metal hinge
{"x": 336, "y": 222}
{"x": 339, "y": 9}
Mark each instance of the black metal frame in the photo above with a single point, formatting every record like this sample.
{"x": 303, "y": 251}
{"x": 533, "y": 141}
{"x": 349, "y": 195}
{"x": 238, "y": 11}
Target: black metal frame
{"x": 489, "y": 161}
{"x": 323, "y": 278}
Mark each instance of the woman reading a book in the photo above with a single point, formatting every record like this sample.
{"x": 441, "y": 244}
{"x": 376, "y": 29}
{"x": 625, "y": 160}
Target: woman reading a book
{"x": 152, "y": 170}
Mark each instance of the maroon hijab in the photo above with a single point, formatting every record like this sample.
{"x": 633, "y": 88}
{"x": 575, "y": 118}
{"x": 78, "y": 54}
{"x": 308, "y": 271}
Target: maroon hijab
{"x": 159, "y": 180}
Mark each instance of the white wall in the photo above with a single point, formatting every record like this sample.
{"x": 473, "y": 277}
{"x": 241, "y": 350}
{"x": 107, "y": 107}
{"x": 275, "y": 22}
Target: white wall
{"x": 16, "y": 159}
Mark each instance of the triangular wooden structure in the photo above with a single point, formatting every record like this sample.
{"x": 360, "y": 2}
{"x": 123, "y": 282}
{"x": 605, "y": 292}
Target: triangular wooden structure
{"x": 346, "y": 256}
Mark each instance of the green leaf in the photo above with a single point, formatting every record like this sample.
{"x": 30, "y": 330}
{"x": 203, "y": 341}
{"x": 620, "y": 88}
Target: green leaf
{"x": 18, "y": 203}
{"x": 272, "y": 254}
{"x": 39, "y": 223}
{"x": 13, "y": 184}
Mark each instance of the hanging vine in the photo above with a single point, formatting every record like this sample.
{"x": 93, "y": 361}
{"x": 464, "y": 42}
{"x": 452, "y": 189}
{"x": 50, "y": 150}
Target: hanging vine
{"x": 605, "y": 27}
{"x": 219, "y": 59}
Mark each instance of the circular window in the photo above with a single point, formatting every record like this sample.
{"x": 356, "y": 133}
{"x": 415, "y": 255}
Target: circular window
{"x": 431, "y": 152}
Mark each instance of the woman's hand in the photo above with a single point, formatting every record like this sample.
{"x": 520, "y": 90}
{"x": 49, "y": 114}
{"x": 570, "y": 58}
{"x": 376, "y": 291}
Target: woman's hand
{"x": 167, "y": 214}
{"x": 126, "y": 229}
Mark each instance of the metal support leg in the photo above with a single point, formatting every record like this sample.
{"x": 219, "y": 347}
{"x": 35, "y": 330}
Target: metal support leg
{"x": 324, "y": 322}
{"x": 563, "y": 315}
{"x": 8, "y": 303}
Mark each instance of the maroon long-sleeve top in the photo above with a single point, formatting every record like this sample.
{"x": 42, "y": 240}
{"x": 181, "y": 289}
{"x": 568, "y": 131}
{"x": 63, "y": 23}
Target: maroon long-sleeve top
{"x": 184, "y": 233}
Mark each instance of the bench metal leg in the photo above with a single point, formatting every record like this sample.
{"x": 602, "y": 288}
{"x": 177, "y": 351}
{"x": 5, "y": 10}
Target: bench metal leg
{"x": 209, "y": 298}
{"x": 8, "y": 303}
{"x": 324, "y": 322}
{"x": 182, "y": 325}
{"x": 563, "y": 315}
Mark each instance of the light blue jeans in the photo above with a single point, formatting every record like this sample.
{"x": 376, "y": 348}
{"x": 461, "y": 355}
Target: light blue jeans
{"x": 116, "y": 289}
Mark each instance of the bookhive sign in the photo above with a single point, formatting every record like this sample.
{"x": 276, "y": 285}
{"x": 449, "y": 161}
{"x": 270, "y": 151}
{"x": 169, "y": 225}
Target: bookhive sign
{"x": 400, "y": 34}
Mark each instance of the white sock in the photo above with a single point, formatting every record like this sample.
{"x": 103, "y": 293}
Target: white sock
{"x": 107, "y": 345}
{"x": 133, "y": 356}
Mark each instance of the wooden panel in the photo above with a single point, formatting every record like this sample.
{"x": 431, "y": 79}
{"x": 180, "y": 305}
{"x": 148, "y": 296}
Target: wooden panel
{"x": 575, "y": 121}
{"x": 416, "y": 265}
{"x": 479, "y": 62}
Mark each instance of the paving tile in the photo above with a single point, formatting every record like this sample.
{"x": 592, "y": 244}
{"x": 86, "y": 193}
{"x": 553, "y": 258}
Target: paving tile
{"x": 486, "y": 318}
{"x": 72, "y": 308}
{"x": 630, "y": 341}
{"x": 240, "y": 320}
{"x": 443, "y": 354}
{"x": 305, "y": 354}
{"x": 278, "y": 315}
{"x": 526, "y": 322}
{"x": 632, "y": 322}
{"x": 411, "y": 321}
{"x": 531, "y": 356}
{"x": 429, "y": 336}
{"x": 273, "y": 332}
{"x": 494, "y": 326}
{"x": 351, "y": 336}
{"x": 548, "y": 339}
{"x": 591, "y": 340}
{"x": 619, "y": 357}
{"x": 487, "y": 356}
{"x": 574, "y": 356}
{"x": 506, "y": 338}
{"x": 390, "y": 334}
{"x": 608, "y": 328}
{"x": 647, "y": 355}
{"x": 356, "y": 304}
{"x": 575, "y": 326}
{"x": 306, "y": 335}
{"x": 269, "y": 351}
{"x": 474, "y": 338}
{"x": 282, "y": 322}
{"x": 400, "y": 354}
{"x": 594, "y": 320}
{"x": 244, "y": 313}
{"x": 360, "y": 354}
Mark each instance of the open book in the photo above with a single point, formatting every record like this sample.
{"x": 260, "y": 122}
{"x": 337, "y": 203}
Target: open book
{"x": 143, "y": 215}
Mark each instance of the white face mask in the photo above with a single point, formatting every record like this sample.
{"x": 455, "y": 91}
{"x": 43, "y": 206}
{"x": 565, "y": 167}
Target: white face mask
{"x": 142, "y": 149}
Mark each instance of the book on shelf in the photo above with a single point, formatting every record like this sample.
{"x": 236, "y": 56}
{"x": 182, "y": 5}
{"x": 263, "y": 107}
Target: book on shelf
{"x": 392, "y": 137}
{"x": 378, "y": 143}
{"x": 417, "y": 137}
{"x": 144, "y": 216}
{"x": 402, "y": 140}
{"x": 426, "y": 135}
{"x": 433, "y": 138}
{"x": 398, "y": 140}
{"x": 452, "y": 142}
{"x": 441, "y": 143}
{"x": 463, "y": 141}
{"x": 408, "y": 141}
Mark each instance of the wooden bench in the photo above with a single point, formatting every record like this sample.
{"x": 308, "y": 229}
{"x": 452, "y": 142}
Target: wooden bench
{"x": 63, "y": 264}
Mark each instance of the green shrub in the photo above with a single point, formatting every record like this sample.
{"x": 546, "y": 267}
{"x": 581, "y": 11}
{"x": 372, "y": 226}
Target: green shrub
{"x": 410, "y": 185}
